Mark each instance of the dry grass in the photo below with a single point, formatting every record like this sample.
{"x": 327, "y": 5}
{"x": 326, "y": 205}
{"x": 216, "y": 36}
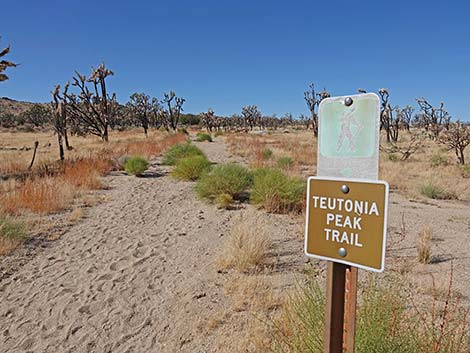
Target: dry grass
{"x": 39, "y": 195}
{"x": 245, "y": 249}
{"x": 424, "y": 245}
{"x": 52, "y": 186}
{"x": 252, "y": 293}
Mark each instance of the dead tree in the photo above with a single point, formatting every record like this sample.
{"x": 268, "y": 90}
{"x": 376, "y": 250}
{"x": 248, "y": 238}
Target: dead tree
{"x": 170, "y": 113}
{"x": 433, "y": 119}
{"x": 313, "y": 100}
{"x": 457, "y": 138}
{"x": 92, "y": 110}
{"x": 4, "y": 64}
{"x": 140, "y": 107}
{"x": 251, "y": 116}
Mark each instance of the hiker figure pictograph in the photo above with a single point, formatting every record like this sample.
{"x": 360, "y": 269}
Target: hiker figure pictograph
{"x": 348, "y": 119}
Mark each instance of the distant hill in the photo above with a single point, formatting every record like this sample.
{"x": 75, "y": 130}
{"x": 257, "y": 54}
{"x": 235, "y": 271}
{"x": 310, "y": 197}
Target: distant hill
{"x": 8, "y": 105}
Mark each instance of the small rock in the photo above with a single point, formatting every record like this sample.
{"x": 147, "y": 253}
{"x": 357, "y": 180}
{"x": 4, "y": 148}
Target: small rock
{"x": 199, "y": 295}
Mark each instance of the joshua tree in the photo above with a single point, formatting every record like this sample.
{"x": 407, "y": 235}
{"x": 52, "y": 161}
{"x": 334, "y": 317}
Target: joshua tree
{"x": 313, "y": 100}
{"x": 141, "y": 108}
{"x": 457, "y": 138}
{"x": 208, "y": 119}
{"x": 388, "y": 121}
{"x": 432, "y": 118}
{"x": 251, "y": 116}
{"x": 171, "y": 115}
{"x": 4, "y": 64}
{"x": 59, "y": 116}
{"x": 92, "y": 110}
{"x": 406, "y": 115}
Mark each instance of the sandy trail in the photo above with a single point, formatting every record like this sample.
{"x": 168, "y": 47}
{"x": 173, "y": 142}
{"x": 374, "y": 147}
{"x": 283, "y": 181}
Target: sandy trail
{"x": 129, "y": 278}
{"x": 138, "y": 274}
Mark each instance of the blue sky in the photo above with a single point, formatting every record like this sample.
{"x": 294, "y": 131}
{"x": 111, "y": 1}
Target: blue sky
{"x": 226, "y": 54}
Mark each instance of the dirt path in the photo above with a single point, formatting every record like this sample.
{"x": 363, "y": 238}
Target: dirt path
{"x": 138, "y": 274}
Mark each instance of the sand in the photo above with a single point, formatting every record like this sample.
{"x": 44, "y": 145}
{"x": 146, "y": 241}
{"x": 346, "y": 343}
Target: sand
{"x": 138, "y": 273}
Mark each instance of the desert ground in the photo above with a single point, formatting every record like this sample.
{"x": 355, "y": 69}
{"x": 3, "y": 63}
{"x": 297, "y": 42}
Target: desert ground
{"x": 140, "y": 267}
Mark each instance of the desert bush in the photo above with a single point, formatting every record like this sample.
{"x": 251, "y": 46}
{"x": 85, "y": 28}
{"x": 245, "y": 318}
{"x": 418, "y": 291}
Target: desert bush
{"x": 393, "y": 157}
{"x": 226, "y": 179}
{"x": 465, "y": 170}
{"x": 299, "y": 328}
{"x": 387, "y": 322}
{"x": 285, "y": 162}
{"x": 224, "y": 200}
{"x": 277, "y": 192}
{"x": 267, "y": 153}
{"x": 423, "y": 245}
{"x": 183, "y": 130}
{"x": 181, "y": 150}
{"x": 12, "y": 233}
{"x": 437, "y": 192}
{"x": 191, "y": 168}
{"x": 246, "y": 248}
{"x": 136, "y": 165}
{"x": 439, "y": 160}
{"x": 202, "y": 136}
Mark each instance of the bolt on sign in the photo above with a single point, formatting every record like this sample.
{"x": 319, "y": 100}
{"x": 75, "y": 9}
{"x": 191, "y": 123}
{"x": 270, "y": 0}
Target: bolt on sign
{"x": 346, "y": 221}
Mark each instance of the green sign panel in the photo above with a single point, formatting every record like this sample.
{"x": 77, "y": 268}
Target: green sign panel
{"x": 348, "y": 137}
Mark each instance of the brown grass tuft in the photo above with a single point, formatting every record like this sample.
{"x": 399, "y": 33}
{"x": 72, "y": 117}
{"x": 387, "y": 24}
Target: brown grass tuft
{"x": 246, "y": 248}
{"x": 424, "y": 244}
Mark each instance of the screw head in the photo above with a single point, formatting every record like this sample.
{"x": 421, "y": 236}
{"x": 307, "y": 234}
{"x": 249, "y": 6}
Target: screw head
{"x": 344, "y": 189}
{"x": 342, "y": 252}
{"x": 348, "y": 101}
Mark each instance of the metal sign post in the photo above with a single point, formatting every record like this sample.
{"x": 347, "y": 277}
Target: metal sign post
{"x": 346, "y": 208}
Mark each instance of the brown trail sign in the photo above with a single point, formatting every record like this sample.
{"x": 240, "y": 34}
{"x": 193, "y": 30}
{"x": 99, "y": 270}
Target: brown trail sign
{"x": 346, "y": 208}
{"x": 346, "y": 221}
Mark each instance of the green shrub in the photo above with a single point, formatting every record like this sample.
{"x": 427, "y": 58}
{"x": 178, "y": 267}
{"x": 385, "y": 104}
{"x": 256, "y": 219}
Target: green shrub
{"x": 191, "y": 168}
{"x": 437, "y": 192}
{"x": 285, "y": 162}
{"x": 136, "y": 165}
{"x": 439, "y": 160}
{"x": 183, "y": 130}
{"x": 179, "y": 151}
{"x": 466, "y": 170}
{"x": 267, "y": 153}
{"x": 277, "y": 192}
{"x": 392, "y": 157}
{"x": 202, "y": 136}
{"x": 224, "y": 181}
{"x": 387, "y": 322}
{"x": 12, "y": 230}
